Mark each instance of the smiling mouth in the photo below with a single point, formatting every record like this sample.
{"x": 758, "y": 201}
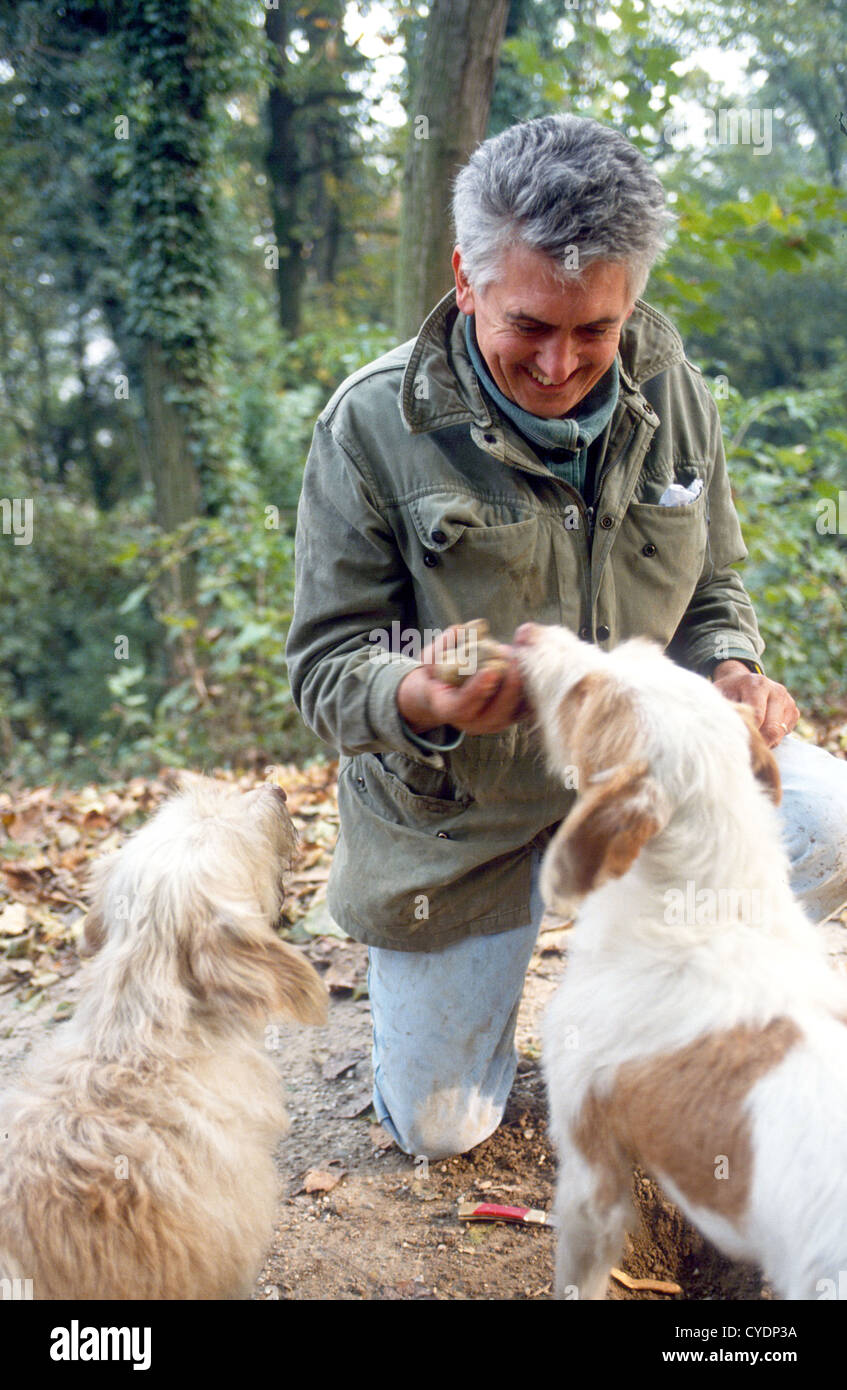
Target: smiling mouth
{"x": 539, "y": 379}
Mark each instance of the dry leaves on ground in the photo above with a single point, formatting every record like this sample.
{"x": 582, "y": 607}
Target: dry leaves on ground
{"x": 50, "y": 836}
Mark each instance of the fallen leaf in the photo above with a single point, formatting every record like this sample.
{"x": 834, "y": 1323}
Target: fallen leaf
{"x": 320, "y": 808}
{"x": 334, "y": 1067}
{"x": 412, "y": 1288}
{"x": 13, "y": 920}
{"x": 312, "y": 855}
{"x": 318, "y": 922}
{"x": 319, "y": 875}
{"x": 380, "y": 1138}
{"x": 13, "y": 946}
{"x": 321, "y": 1180}
{"x": 47, "y": 977}
{"x": 358, "y": 1104}
{"x": 340, "y": 979}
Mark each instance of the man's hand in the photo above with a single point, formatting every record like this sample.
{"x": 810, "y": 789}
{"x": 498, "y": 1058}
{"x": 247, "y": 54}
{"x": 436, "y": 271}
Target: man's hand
{"x": 771, "y": 703}
{"x": 484, "y": 704}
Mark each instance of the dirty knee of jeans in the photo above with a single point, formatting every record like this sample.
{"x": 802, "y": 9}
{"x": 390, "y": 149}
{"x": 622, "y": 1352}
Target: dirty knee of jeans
{"x": 450, "y": 1122}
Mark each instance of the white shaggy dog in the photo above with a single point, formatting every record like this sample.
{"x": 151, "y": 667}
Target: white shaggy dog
{"x": 136, "y": 1152}
{"x": 699, "y": 1030}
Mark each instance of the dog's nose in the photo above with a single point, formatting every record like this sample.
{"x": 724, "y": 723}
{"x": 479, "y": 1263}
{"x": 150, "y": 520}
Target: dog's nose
{"x": 526, "y": 634}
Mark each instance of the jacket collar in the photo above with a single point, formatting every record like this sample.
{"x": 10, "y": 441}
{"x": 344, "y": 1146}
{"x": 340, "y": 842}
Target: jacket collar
{"x": 440, "y": 386}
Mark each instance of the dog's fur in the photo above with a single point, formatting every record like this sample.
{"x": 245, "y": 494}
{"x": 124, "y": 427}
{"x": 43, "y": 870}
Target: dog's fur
{"x": 136, "y": 1153}
{"x": 699, "y": 1031}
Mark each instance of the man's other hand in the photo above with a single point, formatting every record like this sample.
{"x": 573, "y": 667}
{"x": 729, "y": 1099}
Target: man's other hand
{"x": 775, "y": 710}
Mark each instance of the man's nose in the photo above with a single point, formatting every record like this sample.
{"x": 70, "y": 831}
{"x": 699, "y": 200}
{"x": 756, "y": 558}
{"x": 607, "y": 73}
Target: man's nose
{"x": 558, "y": 358}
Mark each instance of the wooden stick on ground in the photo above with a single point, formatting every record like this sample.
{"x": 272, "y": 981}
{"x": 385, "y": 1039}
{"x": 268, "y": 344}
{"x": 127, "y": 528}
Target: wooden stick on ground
{"x": 654, "y": 1285}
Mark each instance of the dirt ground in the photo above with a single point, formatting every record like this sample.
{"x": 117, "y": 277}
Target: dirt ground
{"x": 389, "y": 1229}
{"x": 385, "y": 1226}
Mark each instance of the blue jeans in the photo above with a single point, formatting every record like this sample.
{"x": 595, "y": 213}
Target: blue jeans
{"x": 444, "y": 1021}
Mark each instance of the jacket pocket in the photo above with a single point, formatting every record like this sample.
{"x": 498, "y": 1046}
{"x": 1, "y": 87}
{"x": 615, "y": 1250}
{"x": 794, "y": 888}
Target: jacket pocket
{"x": 398, "y": 855}
{"x": 657, "y": 560}
{"x": 410, "y": 868}
{"x": 470, "y": 561}
{"x": 397, "y": 784}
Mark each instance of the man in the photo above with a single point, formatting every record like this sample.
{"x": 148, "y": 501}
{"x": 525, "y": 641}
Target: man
{"x": 542, "y": 450}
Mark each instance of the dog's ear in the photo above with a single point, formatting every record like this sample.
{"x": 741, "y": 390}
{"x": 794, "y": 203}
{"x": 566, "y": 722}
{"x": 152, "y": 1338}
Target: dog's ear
{"x": 93, "y": 932}
{"x": 764, "y": 763}
{"x": 94, "y": 927}
{"x": 604, "y": 834}
{"x": 300, "y": 992}
{"x": 232, "y": 971}
{"x": 598, "y": 723}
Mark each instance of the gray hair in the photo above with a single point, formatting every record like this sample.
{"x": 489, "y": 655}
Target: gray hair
{"x": 563, "y": 185}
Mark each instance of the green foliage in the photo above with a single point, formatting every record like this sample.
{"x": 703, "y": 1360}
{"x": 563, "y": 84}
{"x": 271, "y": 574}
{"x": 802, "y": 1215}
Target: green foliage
{"x": 753, "y": 242}
{"x": 60, "y": 630}
{"x": 99, "y": 248}
{"x": 799, "y": 47}
{"x": 232, "y": 705}
{"x": 278, "y": 388}
{"x": 796, "y": 574}
{"x": 77, "y": 703}
{"x": 73, "y": 709}
{"x": 615, "y": 62}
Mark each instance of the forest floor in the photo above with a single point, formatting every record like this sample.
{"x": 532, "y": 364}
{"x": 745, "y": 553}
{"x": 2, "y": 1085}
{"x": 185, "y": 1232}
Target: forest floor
{"x": 357, "y": 1218}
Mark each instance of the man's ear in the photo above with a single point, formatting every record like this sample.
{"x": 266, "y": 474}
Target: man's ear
{"x": 464, "y": 293}
{"x": 603, "y": 835}
{"x": 764, "y": 763}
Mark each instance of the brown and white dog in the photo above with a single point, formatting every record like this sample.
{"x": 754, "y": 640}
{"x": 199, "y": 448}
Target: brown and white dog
{"x": 136, "y": 1154}
{"x": 699, "y": 1031}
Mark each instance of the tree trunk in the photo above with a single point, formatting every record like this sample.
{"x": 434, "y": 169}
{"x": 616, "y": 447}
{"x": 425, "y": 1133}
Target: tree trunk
{"x": 175, "y": 482}
{"x": 283, "y": 165}
{"x": 308, "y": 146}
{"x": 174, "y": 65}
{"x": 43, "y": 407}
{"x": 325, "y": 155}
{"x": 449, "y": 117}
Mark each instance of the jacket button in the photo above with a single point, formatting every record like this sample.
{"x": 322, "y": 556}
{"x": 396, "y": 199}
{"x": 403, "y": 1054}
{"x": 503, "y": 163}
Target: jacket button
{"x": 585, "y": 634}
{"x": 430, "y": 559}
{"x": 360, "y": 782}
{"x": 439, "y": 537}
{"x": 442, "y": 835}
{"x": 607, "y": 522}
{"x": 648, "y": 549}
{"x": 602, "y": 633}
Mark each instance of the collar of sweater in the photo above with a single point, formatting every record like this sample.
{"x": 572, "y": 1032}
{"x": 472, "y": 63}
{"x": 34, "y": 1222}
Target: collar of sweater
{"x": 575, "y": 431}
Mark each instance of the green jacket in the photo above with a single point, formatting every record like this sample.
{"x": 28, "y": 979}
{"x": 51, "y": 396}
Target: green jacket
{"x": 421, "y": 506}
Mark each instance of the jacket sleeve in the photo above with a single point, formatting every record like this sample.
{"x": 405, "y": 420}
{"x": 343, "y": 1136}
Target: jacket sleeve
{"x": 350, "y": 585}
{"x": 719, "y": 622}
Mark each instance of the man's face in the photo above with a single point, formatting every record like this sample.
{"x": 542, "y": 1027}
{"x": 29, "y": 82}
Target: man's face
{"x": 546, "y": 341}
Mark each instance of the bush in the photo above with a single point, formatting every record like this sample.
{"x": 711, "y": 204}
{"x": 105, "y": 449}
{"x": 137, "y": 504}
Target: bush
{"x": 796, "y": 573}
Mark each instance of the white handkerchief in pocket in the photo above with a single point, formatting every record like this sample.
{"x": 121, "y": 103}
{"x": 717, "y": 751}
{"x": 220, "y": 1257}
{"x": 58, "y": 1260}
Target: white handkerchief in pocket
{"x": 675, "y": 495}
